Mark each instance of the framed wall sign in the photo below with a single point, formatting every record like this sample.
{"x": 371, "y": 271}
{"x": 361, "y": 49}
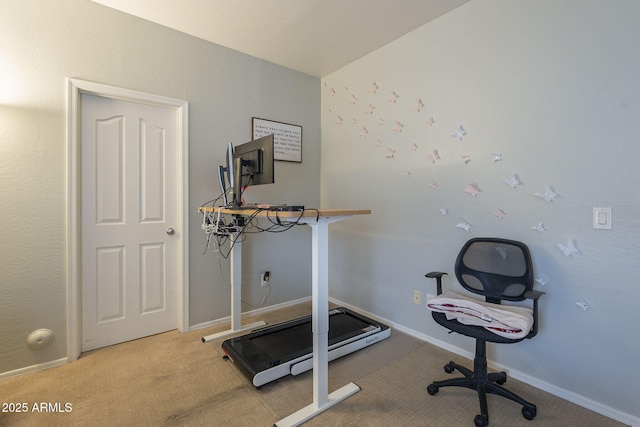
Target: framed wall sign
{"x": 287, "y": 138}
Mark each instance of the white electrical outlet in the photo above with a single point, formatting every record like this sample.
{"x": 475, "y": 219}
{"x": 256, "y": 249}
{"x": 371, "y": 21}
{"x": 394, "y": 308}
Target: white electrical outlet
{"x": 417, "y": 297}
{"x": 264, "y": 278}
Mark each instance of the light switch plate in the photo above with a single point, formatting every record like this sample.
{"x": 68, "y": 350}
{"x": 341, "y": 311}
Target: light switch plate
{"x": 602, "y": 218}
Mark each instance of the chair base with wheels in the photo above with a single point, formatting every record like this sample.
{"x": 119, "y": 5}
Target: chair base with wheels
{"x": 483, "y": 382}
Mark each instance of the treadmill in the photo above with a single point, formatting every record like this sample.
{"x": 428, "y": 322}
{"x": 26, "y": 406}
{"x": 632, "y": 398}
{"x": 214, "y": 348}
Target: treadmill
{"x": 272, "y": 352}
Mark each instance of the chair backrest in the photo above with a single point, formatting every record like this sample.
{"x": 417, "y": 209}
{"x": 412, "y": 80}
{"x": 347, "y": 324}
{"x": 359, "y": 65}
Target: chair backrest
{"x": 498, "y": 269}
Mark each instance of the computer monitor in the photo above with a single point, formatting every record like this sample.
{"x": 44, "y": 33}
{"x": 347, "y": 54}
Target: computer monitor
{"x": 228, "y": 173}
{"x": 251, "y": 163}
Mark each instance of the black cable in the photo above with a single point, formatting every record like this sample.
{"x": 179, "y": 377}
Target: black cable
{"x": 278, "y": 225}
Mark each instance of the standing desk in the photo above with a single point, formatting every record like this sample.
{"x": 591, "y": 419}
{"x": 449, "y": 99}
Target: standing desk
{"x": 318, "y": 220}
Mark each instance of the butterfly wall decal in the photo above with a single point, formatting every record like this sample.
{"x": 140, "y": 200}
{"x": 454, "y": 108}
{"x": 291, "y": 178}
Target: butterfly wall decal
{"x": 512, "y": 182}
{"x": 435, "y": 156}
{"x": 569, "y": 249}
{"x": 473, "y": 189}
{"x": 548, "y": 195}
{"x": 583, "y": 305}
{"x": 459, "y": 133}
{"x": 419, "y": 105}
{"x": 370, "y": 109}
{"x": 539, "y": 228}
{"x": 464, "y": 225}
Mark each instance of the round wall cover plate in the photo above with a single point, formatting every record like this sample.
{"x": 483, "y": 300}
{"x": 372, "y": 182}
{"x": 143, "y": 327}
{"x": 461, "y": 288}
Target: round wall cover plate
{"x": 39, "y": 339}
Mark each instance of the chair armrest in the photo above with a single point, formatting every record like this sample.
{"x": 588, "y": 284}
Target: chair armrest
{"x": 534, "y": 295}
{"x": 438, "y": 276}
{"x": 434, "y": 274}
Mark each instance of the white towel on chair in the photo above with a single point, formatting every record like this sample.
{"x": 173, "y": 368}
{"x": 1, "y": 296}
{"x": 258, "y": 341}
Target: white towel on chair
{"x": 507, "y": 321}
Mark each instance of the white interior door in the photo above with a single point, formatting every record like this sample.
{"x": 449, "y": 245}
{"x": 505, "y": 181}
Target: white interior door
{"x": 130, "y": 239}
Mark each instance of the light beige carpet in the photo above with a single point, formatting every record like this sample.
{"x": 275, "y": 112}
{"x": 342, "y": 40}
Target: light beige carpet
{"x": 169, "y": 379}
{"x": 398, "y": 392}
{"x": 174, "y": 379}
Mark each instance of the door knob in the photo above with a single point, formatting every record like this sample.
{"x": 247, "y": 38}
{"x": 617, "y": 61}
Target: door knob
{"x": 170, "y": 231}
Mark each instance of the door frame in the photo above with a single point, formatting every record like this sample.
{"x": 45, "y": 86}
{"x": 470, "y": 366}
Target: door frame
{"x": 75, "y": 89}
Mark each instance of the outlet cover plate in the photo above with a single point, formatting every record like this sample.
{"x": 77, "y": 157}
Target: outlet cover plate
{"x": 417, "y": 297}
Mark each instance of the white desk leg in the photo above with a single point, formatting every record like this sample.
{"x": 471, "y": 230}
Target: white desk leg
{"x": 235, "y": 273}
{"x": 236, "y": 296}
{"x": 320, "y": 327}
{"x": 320, "y": 311}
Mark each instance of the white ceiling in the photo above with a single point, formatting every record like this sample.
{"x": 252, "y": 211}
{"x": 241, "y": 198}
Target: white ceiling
{"x": 315, "y": 37}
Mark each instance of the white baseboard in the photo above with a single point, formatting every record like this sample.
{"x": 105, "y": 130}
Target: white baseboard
{"x": 520, "y": 376}
{"x": 252, "y": 312}
{"x": 31, "y": 369}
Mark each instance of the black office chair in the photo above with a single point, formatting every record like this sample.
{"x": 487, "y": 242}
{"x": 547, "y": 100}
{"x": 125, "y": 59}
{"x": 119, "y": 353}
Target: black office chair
{"x": 499, "y": 270}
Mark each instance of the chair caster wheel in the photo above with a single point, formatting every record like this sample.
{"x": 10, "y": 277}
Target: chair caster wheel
{"x": 448, "y": 368}
{"x": 529, "y": 413}
{"x": 481, "y": 421}
{"x": 432, "y": 389}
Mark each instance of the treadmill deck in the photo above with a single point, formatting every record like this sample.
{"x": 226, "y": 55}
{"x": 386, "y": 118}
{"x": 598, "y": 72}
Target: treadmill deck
{"x": 275, "y": 351}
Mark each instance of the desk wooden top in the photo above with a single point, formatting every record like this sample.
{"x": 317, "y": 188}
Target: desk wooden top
{"x": 308, "y": 212}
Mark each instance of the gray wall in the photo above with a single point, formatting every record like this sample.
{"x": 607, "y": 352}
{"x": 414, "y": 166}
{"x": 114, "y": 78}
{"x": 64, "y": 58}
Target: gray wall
{"x": 553, "y": 86}
{"x": 41, "y": 44}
